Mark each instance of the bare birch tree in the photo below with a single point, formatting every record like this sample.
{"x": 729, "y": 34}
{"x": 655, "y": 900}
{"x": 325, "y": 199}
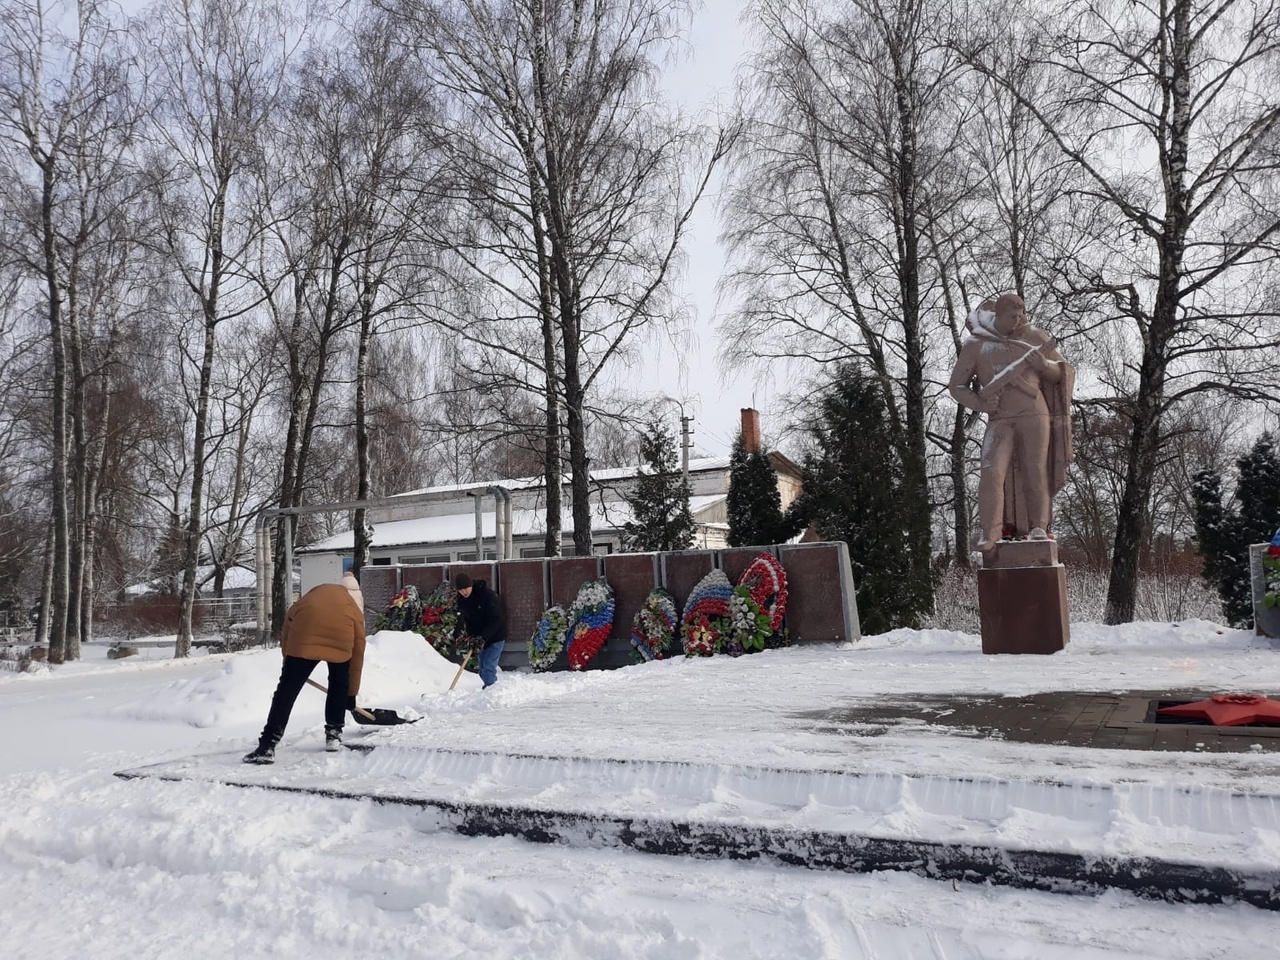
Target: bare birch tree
{"x": 580, "y": 184}
{"x": 66, "y": 124}
{"x": 837, "y": 205}
{"x": 219, "y": 66}
{"x": 1173, "y": 108}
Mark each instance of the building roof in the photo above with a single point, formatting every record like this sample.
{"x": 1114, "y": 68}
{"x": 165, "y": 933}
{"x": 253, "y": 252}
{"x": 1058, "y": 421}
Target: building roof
{"x": 696, "y": 465}
{"x": 460, "y": 528}
{"x": 235, "y": 578}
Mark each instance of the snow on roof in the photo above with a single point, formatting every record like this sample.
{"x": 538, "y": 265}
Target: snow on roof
{"x": 236, "y": 578}
{"x": 696, "y": 465}
{"x": 461, "y": 527}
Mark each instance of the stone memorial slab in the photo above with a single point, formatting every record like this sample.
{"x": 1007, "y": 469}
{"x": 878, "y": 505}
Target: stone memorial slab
{"x": 567, "y": 574}
{"x": 426, "y": 577}
{"x": 822, "y": 604}
{"x": 735, "y": 560}
{"x": 522, "y": 585}
{"x": 681, "y": 570}
{"x": 378, "y": 584}
{"x": 633, "y": 577}
{"x": 476, "y": 571}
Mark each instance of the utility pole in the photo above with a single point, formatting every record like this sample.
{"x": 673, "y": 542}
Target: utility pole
{"x": 685, "y": 434}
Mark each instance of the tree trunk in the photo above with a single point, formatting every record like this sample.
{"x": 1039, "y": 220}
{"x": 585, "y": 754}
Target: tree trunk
{"x": 79, "y": 473}
{"x": 914, "y": 458}
{"x": 579, "y": 462}
{"x": 290, "y": 455}
{"x": 46, "y": 591}
{"x": 959, "y": 492}
{"x": 362, "y": 531}
{"x": 195, "y": 519}
{"x": 309, "y": 385}
{"x": 1133, "y": 515}
{"x": 553, "y": 475}
{"x": 58, "y": 596}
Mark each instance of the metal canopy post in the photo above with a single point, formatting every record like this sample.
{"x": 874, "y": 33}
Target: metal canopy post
{"x": 288, "y": 561}
{"x": 507, "y": 524}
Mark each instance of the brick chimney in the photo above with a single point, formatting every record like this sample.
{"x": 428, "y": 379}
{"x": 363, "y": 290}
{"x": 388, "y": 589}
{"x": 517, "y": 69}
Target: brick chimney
{"x": 751, "y": 429}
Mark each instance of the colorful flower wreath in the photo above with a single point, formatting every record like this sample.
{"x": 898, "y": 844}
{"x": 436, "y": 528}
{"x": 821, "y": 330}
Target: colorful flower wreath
{"x": 592, "y": 618}
{"x": 438, "y": 620}
{"x": 749, "y": 628}
{"x": 655, "y": 625}
{"x": 764, "y": 584}
{"x": 1271, "y": 573}
{"x": 706, "y": 623}
{"x": 403, "y": 613}
{"x": 548, "y": 641}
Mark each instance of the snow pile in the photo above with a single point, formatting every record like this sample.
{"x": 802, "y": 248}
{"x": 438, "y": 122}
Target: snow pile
{"x": 232, "y": 691}
{"x": 194, "y": 869}
{"x": 398, "y": 668}
{"x": 1093, "y": 637}
{"x": 1187, "y": 634}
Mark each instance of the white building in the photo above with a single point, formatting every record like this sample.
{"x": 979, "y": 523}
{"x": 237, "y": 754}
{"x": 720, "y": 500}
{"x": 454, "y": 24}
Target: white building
{"x": 439, "y": 524}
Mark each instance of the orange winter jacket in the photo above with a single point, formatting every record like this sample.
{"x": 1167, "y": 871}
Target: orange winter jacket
{"x": 327, "y": 625}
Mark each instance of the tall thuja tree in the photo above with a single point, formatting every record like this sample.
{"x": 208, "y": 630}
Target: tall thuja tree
{"x": 1168, "y": 115}
{"x": 661, "y": 519}
{"x": 754, "y": 504}
{"x": 855, "y": 490}
{"x": 1225, "y": 530}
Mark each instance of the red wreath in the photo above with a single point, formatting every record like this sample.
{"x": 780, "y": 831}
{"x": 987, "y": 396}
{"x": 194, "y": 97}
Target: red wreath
{"x": 767, "y": 581}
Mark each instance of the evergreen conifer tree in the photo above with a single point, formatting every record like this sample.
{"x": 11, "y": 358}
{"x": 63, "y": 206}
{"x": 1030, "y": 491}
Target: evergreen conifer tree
{"x": 1224, "y": 531}
{"x": 660, "y": 504}
{"x": 854, "y": 490}
{"x": 755, "y": 505}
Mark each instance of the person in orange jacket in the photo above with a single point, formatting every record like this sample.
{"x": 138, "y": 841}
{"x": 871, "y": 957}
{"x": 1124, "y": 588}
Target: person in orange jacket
{"x": 326, "y": 624}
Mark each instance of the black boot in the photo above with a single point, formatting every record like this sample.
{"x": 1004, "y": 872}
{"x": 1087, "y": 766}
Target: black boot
{"x": 265, "y": 752}
{"x": 333, "y": 739}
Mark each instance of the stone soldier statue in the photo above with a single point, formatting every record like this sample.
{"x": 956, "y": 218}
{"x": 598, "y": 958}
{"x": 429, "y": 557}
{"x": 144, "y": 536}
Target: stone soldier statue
{"x": 1024, "y": 388}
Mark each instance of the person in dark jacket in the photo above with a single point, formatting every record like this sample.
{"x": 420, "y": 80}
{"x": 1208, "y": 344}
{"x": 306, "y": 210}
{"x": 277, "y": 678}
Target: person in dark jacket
{"x": 480, "y": 614}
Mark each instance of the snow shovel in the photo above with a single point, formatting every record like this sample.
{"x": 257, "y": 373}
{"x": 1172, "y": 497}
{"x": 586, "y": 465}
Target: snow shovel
{"x": 376, "y": 716}
{"x": 462, "y": 666}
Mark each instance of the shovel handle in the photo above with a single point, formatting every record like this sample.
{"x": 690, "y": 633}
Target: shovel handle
{"x": 360, "y": 710}
{"x": 462, "y": 666}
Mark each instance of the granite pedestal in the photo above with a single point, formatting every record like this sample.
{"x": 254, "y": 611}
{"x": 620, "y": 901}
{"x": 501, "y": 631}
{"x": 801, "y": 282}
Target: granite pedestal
{"x": 1022, "y": 598}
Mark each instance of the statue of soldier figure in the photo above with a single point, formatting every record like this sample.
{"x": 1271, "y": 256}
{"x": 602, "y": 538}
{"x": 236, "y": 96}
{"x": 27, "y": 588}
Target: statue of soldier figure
{"x": 1024, "y": 388}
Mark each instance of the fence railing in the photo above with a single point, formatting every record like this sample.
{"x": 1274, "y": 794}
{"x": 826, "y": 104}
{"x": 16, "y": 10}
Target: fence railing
{"x": 160, "y": 614}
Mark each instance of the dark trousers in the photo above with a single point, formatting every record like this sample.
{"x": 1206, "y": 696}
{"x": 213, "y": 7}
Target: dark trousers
{"x": 293, "y": 677}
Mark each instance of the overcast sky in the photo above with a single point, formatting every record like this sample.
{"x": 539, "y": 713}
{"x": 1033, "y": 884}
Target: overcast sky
{"x": 703, "y": 80}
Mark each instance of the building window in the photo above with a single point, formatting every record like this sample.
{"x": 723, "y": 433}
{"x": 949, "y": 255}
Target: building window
{"x": 381, "y": 561}
{"x": 471, "y": 557}
{"x": 434, "y": 558}
{"x": 405, "y": 561}
{"x": 602, "y": 549}
{"x": 531, "y": 553}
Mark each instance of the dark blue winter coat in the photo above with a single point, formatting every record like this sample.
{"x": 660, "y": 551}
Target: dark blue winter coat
{"x": 481, "y": 615}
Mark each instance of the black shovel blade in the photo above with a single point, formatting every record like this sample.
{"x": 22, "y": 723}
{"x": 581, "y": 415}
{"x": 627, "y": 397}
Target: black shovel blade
{"x": 378, "y": 717}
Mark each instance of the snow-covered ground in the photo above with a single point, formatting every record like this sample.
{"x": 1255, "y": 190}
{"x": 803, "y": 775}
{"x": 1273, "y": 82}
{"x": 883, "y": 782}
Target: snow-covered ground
{"x": 92, "y": 865}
